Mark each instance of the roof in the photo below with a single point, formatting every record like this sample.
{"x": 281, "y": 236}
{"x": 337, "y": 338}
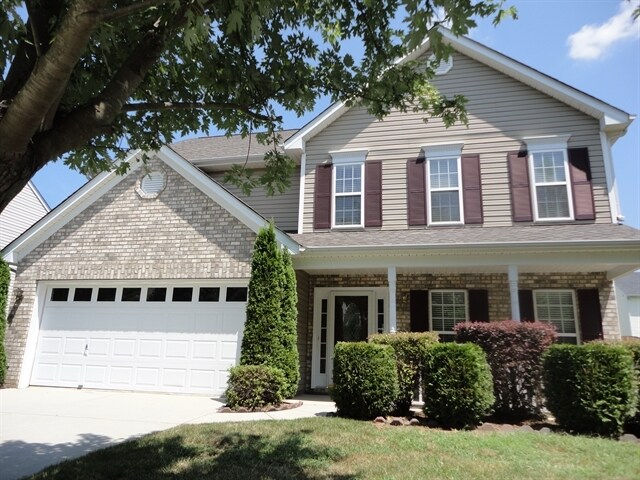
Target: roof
{"x": 472, "y": 236}
{"x": 222, "y": 147}
{"x": 613, "y": 120}
{"x": 629, "y": 284}
{"x": 105, "y": 181}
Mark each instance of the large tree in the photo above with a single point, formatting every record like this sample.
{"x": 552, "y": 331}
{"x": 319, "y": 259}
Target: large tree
{"x": 88, "y": 80}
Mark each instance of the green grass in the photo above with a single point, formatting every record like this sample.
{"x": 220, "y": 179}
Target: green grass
{"x": 334, "y": 448}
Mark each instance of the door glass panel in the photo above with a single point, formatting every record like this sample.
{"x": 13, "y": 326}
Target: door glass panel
{"x": 351, "y": 318}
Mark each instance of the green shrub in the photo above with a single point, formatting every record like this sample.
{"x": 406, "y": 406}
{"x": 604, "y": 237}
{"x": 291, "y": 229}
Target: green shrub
{"x": 270, "y": 335}
{"x": 365, "y": 380}
{"x": 514, "y": 352}
{"x": 255, "y": 386}
{"x": 590, "y": 388}
{"x": 4, "y": 292}
{"x": 457, "y": 385}
{"x": 409, "y": 349}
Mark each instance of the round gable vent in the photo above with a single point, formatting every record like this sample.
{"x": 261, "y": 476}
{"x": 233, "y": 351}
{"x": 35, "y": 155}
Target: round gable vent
{"x": 444, "y": 66}
{"x": 152, "y": 184}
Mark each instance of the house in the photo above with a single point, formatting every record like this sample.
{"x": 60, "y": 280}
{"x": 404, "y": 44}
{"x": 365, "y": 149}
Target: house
{"x": 138, "y": 282}
{"x": 628, "y": 301}
{"x": 23, "y": 211}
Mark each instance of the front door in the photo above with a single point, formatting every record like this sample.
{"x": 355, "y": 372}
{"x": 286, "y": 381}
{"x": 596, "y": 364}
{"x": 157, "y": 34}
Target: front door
{"x": 351, "y": 318}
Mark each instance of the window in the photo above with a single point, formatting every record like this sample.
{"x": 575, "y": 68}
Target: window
{"x": 82, "y": 294}
{"x": 557, "y": 307}
{"x": 156, "y": 294}
{"x": 236, "y": 294}
{"x": 59, "y": 294}
{"x": 444, "y": 192}
{"x": 348, "y": 195}
{"x": 182, "y": 294}
{"x": 447, "y": 307}
{"x": 209, "y": 294}
{"x": 549, "y": 174}
{"x": 106, "y": 294}
{"x": 348, "y": 188}
{"x": 131, "y": 294}
{"x": 380, "y": 328}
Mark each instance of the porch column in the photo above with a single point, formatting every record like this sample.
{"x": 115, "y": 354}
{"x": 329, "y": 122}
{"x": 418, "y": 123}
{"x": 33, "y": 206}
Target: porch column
{"x": 391, "y": 276}
{"x": 513, "y": 292}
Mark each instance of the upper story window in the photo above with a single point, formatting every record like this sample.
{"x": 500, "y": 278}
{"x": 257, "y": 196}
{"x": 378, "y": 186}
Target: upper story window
{"x": 348, "y": 189}
{"x": 557, "y": 307}
{"x": 549, "y": 172}
{"x": 444, "y": 185}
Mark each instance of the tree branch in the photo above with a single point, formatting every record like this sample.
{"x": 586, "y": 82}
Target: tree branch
{"x": 109, "y": 15}
{"x": 158, "y": 106}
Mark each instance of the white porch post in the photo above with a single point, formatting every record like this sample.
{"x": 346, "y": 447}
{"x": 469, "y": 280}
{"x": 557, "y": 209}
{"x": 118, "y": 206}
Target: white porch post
{"x": 391, "y": 276}
{"x": 513, "y": 292}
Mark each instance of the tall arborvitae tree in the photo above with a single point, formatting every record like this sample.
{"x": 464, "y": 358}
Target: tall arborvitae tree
{"x": 4, "y": 290}
{"x": 289, "y": 338}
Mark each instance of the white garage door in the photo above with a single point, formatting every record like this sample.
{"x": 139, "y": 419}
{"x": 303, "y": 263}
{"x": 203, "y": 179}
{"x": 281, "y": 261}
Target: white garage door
{"x": 149, "y": 337}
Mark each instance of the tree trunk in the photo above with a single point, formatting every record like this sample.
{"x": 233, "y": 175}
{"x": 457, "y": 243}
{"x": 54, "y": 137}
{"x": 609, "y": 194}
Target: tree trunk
{"x": 18, "y": 170}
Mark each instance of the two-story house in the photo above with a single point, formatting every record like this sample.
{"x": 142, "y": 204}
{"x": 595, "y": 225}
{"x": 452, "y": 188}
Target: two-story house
{"x": 139, "y": 282}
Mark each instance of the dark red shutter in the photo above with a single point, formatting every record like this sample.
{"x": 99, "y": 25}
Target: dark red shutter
{"x": 590, "y": 314}
{"x": 373, "y": 194}
{"x": 581, "y": 188}
{"x": 519, "y": 182}
{"x": 471, "y": 188}
{"x": 322, "y": 198}
{"x": 478, "y": 305}
{"x": 419, "y": 310}
{"x": 525, "y": 299}
{"x": 416, "y": 191}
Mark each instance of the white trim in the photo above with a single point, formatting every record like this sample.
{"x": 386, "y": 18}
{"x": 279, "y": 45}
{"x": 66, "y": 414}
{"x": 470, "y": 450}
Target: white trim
{"x": 36, "y": 192}
{"x": 612, "y": 184}
{"x": 546, "y": 143}
{"x": 348, "y": 156}
{"x": 303, "y": 175}
{"x": 447, "y": 290}
{"x": 443, "y": 150}
{"x": 29, "y": 354}
{"x": 458, "y": 188}
{"x": 578, "y": 334}
{"x": 567, "y": 184}
{"x": 346, "y": 161}
{"x": 391, "y": 278}
{"x": 512, "y": 274}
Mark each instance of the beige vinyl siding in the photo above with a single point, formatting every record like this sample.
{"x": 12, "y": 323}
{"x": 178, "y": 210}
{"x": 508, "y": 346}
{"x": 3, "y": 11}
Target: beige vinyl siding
{"x": 23, "y": 211}
{"x": 282, "y": 207}
{"x": 501, "y": 111}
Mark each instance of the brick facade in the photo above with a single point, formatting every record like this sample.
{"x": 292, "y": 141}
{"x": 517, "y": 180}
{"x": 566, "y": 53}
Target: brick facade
{"x": 496, "y": 283}
{"x": 182, "y": 234}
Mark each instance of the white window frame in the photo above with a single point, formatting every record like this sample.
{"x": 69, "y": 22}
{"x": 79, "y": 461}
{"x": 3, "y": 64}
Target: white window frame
{"x": 436, "y": 152}
{"x": 557, "y": 143}
{"x": 345, "y": 159}
{"x": 576, "y": 335}
{"x": 449, "y": 290}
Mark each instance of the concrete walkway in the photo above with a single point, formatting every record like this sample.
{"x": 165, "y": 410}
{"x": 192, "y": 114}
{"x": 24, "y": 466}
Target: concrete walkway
{"x": 42, "y": 426}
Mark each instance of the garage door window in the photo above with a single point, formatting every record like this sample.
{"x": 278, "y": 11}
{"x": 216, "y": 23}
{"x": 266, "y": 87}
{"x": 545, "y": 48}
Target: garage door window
{"x": 106, "y": 294}
{"x": 182, "y": 294}
{"x": 82, "y": 294}
{"x": 131, "y": 294}
{"x": 59, "y": 294}
{"x": 209, "y": 294}
{"x": 236, "y": 294}
{"x": 156, "y": 294}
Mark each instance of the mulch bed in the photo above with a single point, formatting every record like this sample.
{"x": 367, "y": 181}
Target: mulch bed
{"x": 268, "y": 408}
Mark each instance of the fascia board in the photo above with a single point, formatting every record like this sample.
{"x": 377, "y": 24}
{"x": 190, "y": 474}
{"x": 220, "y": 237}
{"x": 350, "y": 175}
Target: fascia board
{"x": 222, "y": 196}
{"x": 39, "y": 197}
{"x": 67, "y": 211}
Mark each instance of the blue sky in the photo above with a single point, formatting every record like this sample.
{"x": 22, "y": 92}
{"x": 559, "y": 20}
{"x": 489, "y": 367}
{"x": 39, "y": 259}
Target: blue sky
{"x": 589, "y": 44}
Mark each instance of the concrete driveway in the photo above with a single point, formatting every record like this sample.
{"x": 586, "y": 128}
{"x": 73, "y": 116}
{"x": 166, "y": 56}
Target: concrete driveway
{"x": 42, "y": 426}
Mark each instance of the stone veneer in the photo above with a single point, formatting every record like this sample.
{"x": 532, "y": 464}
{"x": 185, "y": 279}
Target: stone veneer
{"x": 498, "y": 290}
{"x": 181, "y": 234}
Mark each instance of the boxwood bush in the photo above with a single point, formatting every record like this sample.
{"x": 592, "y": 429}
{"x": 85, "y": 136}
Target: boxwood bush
{"x": 365, "y": 380}
{"x": 457, "y": 384}
{"x": 514, "y": 351}
{"x": 590, "y": 388}
{"x": 255, "y": 386}
{"x": 409, "y": 349}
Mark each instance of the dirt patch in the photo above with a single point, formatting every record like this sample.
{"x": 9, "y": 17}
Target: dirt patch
{"x": 267, "y": 408}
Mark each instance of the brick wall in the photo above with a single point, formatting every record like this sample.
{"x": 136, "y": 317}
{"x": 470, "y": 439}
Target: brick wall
{"x": 182, "y": 234}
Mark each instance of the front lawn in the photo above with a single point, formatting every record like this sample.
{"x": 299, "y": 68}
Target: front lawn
{"x": 334, "y": 448}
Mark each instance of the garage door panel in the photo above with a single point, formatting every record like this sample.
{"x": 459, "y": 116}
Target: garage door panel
{"x": 170, "y": 346}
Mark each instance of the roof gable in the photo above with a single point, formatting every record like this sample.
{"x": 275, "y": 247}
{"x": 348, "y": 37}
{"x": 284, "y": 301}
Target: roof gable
{"x": 104, "y": 182}
{"x": 612, "y": 120}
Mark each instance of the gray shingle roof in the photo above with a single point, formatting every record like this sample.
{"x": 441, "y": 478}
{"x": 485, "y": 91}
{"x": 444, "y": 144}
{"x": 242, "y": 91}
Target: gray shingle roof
{"x": 221, "y": 146}
{"x": 471, "y": 236}
{"x": 629, "y": 284}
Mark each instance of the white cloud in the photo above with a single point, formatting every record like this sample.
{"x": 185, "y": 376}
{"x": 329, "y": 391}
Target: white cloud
{"x": 591, "y": 42}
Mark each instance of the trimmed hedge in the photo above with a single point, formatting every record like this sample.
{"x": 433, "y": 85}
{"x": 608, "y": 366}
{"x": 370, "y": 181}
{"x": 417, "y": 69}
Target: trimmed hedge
{"x": 457, "y": 384}
{"x": 255, "y": 386}
{"x": 514, "y": 351}
{"x": 365, "y": 380}
{"x": 590, "y": 388}
{"x": 409, "y": 349}
{"x": 5, "y": 277}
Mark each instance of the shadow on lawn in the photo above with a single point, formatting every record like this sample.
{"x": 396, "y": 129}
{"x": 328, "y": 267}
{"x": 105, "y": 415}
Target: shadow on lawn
{"x": 230, "y": 457}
